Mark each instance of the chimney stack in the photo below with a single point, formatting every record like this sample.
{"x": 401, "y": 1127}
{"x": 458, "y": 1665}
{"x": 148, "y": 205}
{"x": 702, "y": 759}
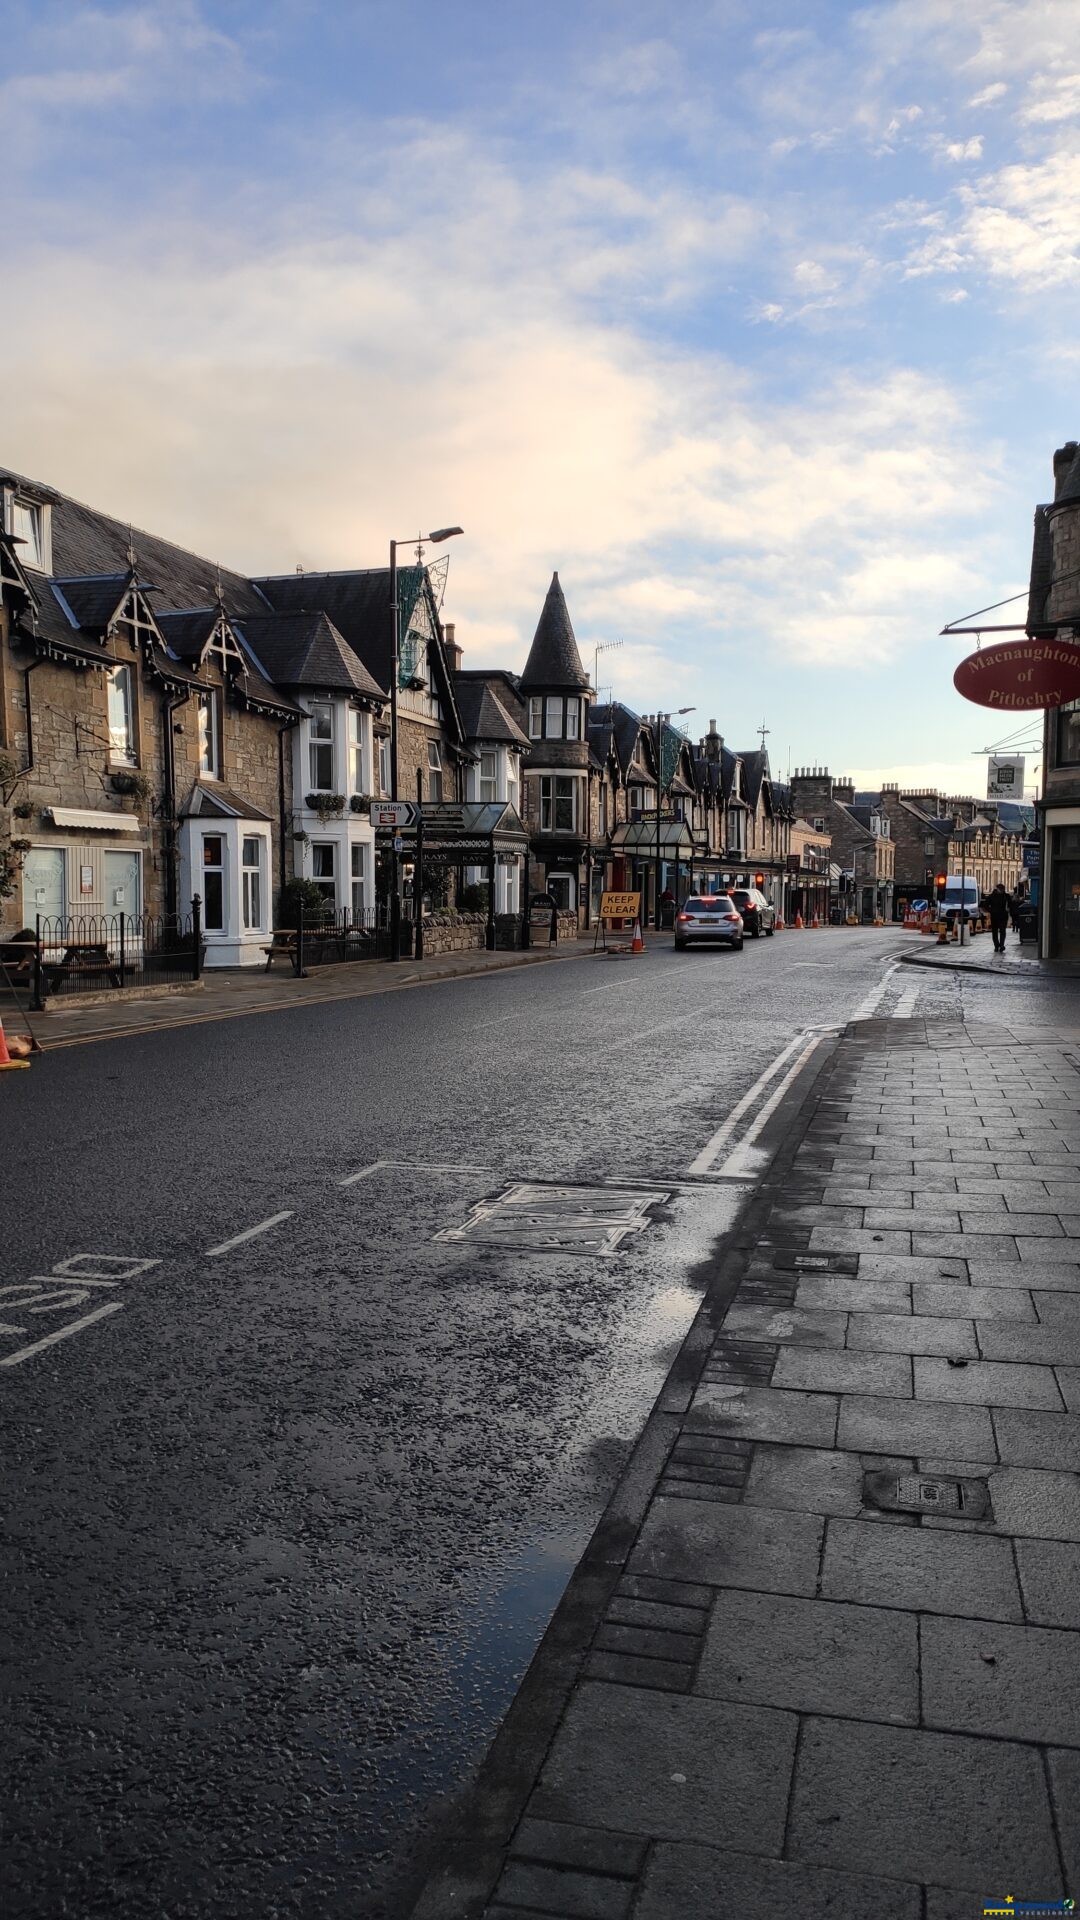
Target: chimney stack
{"x": 450, "y": 647}
{"x": 1063, "y": 460}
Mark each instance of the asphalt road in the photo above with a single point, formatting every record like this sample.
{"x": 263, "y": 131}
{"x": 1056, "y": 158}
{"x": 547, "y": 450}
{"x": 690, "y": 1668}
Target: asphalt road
{"x": 286, "y": 1515}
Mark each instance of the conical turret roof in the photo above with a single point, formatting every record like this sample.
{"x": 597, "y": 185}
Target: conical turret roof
{"x": 554, "y": 660}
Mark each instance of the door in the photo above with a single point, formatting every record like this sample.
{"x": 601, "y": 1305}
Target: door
{"x": 1066, "y": 910}
{"x": 43, "y": 884}
{"x": 122, "y": 882}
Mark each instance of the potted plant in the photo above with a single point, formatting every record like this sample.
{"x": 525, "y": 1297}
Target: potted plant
{"x": 360, "y": 802}
{"x": 328, "y": 806}
{"x": 131, "y": 780}
{"x": 23, "y": 810}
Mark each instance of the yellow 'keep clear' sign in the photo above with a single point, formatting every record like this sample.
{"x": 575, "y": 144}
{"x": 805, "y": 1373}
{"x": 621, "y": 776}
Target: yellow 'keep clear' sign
{"x": 620, "y": 906}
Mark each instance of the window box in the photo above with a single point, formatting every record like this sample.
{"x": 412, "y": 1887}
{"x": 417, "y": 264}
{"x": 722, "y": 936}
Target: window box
{"x": 360, "y": 803}
{"x": 328, "y": 806}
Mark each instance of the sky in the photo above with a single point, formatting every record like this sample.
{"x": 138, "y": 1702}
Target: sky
{"x": 757, "y": 320}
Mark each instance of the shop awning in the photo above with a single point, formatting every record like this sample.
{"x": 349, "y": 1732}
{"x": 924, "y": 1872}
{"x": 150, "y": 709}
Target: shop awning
{"x": 639, "y": 836}
{"x": 93, "y": 819}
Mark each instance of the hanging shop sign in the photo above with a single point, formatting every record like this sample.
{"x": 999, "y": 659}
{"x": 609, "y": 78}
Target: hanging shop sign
{"x": 1005, "y": 776}
{"x": 1017, "y": 676}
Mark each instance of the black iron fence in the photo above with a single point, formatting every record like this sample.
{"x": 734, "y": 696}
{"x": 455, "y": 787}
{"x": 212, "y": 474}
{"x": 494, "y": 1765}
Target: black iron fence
{"x": 65, "y": 955}
{"x": 326, "y": 938}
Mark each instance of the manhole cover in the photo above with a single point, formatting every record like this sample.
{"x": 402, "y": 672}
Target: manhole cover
{"x": 535, "y": 1219}
{"x": 927, "y": 1493}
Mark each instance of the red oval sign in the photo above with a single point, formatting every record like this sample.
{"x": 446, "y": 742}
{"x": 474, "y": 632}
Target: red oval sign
{"x": 1021, "y": 674}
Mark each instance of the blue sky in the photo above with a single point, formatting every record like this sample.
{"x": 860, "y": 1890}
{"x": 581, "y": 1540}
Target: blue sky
{"x": 758, "y": 321}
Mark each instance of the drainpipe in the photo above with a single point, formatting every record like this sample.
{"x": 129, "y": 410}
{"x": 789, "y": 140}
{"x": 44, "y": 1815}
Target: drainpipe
{"x": 282, "y": 731}
{"x": 168, "y": 708}
{"x": 27, "y": 671}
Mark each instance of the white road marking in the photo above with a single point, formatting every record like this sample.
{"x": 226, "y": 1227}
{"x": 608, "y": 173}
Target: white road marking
{"x": 249, "y": 1233}
{"x": 711, "y": 1150}
{"x": 365, "y": 1173}
{"x": 905, "y": 1006}
{"x": 103, "y": 1266}
{"x": 869, "y": 1006}
{"x": 746, "y": 1159}
{"x": 62, "y": 1333}
{"x": 612, "y": 986}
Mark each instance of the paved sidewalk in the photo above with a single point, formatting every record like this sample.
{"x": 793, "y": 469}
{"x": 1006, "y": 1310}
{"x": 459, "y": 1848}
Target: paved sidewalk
{"x": 226, "y": 996}
{"x": 978, "y": 956}
{"x": 795, "y": 1699}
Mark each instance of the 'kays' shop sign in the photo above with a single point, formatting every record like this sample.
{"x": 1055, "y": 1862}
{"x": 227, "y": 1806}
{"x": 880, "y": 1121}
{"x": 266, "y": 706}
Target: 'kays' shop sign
{"x": 1021, "y": 674}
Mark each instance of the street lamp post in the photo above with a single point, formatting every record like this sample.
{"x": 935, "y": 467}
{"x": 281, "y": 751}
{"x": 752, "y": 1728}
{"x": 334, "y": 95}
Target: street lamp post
{"x": 662, "y": 720}
{"x": 432, "y": 539}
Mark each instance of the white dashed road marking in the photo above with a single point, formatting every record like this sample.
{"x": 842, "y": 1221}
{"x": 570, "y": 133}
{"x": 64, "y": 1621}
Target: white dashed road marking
{"x": 249, "y": 1233}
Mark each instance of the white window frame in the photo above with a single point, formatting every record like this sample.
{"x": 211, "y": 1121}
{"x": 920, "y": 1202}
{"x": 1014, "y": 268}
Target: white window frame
{"x": 122, "y": 735}
{"x": 221, "y": 866}
{"x": 536, "y": 716}
{"x": 28, "y": 525}
{"x": 356, "y": 751}
{"x": 385, "y": 776}
{"x": 550, "y": 799}
{"x": 318, "y": 744}
{"x": 489, "y": 758}
{"x": 572, "y": 725}
{"x": 321, "y": 880}
{"x": 435, "y": 771}
{"x": 358, "y": 879}
{"x": 554, "y": 717}
{"x": 252, "y": 889}
{"x": 209, "y": 723}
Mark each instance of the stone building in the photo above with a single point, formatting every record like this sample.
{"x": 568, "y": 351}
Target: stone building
{"x": 860, "y": 836}
{"x": 144, "y": 747}
{"x": 556, "y": 698}
{"x": 1054, "y": 610}
{"x": 934, "y": 834}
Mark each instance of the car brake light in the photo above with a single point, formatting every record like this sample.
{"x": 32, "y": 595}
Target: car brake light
{"x": 684, "y": 916}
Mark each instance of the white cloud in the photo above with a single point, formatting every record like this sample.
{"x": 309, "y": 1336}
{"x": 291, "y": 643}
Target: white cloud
{"x": 964, "y": 149}
{"x": 92, "y": 59}
{"x": 1052, "y": 98}
{"x": 989, "y": 96}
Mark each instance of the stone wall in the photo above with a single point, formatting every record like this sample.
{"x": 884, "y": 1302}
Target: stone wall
{"x": 1063, "y": 601}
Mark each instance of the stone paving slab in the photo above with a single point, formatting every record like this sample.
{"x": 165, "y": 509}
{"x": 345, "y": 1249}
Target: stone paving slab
{"x": 986, "y": 1383}
{"x": 926, "y": 1570}
{"x": 671, "y": 1767}
{"x": 700, "y": 1883}
{"x": 1018, "y": 1683}
{"x": 867, "y": 1423}
{"x": 1025, "y": 1439}
{"x": 892, "y": 1333}
{"x": 814, "y": 1657}
{"x": 730, "y": 1546}
{"x": 946, "y": 1808}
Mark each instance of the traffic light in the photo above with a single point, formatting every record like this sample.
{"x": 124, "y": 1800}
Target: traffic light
{"x": 941, "y": 880}
{"x": 759, "y": 881}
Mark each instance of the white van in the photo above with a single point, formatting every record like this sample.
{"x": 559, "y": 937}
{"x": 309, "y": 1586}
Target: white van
{"x": 957, "y": 894}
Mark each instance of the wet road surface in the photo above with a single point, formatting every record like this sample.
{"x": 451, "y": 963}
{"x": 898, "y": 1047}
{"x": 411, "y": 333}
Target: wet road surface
{"x": 286, "y": 1515}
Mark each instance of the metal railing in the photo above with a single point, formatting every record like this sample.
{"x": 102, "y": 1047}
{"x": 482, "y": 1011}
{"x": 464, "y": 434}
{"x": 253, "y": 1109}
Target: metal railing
{"x": 324, "y": 939}
{"x": 96, "y": 953}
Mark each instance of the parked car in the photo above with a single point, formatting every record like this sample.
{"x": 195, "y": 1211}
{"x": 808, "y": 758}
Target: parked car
{"x": 708, "y": 916}
{"x": 759, "y": 914}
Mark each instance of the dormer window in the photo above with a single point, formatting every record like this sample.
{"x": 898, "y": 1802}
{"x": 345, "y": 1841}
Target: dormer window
{"x": 28, "y": 524}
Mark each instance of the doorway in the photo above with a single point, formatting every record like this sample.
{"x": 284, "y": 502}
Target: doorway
{"x": 1065, "y": 910}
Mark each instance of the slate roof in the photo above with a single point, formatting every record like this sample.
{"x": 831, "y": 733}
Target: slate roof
{"x": 93, "y": 599}
{"x": 1042, "y": 570}
{"x": 188, "y": 633}
{"x": 86, "y": 542}
{"x": 306, "y": 650}
{"x": 554, "y": 660}
{"x": 212, "y": 801}
{"x": 627, "y": 728}
{"x": 755, "y": 771}
{"x": 483, "y": 715}
{"x": 357, "y": 603}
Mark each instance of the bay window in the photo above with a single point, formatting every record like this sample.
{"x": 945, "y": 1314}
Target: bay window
{"x": 213, "y": 887}
{"x": 324, "y": 871}
{"x": 356, "y": 751}
{"x": 536, "y": 717}
{"x": 558, "y": 803}
{"x": 489, "y": 776}
{"x": 251, "y": 856}
{"x": 321, "y": 746}
{"x": 358, "y": 882}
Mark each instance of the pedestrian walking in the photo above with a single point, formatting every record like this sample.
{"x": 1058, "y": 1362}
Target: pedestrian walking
{"x": 1000, "y": 905}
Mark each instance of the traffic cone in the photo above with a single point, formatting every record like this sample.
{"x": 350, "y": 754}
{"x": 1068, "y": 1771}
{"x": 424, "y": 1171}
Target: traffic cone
{"x": 815, "y": 922}
{"x": 637, "y": 944}
{"x": 799, "y": 921}
{"x": 7, "y": 1064}
{"x": 779, "y": 927}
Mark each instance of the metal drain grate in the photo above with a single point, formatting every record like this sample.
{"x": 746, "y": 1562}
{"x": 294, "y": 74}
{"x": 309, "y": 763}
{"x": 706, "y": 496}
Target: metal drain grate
{"x": 741, "y": 1363}
{"x": 528, "y": 1218}
{"x": 963, "y": 1499}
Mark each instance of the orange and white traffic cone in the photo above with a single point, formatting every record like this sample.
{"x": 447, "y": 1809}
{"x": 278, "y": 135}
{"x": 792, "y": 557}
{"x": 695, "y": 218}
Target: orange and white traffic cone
{"x": 779, "y": 927}
{"x": 799, "y": 922}
{"x": 637, "y": 944}
{"x": 7, "y": 1064}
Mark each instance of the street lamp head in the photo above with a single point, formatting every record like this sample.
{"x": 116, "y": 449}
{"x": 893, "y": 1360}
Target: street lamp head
{"x": 444, "y": 533}
{"x": 686, "y": 709}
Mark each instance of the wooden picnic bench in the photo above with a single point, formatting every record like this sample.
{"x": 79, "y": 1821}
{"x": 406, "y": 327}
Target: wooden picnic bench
{"x": 319, "y": 944}
{"x": 83, "y": 957}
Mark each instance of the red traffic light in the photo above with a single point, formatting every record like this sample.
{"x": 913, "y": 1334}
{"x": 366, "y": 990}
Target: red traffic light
{"x": 941, "y": 879}
{"x": 759, "y": 879}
